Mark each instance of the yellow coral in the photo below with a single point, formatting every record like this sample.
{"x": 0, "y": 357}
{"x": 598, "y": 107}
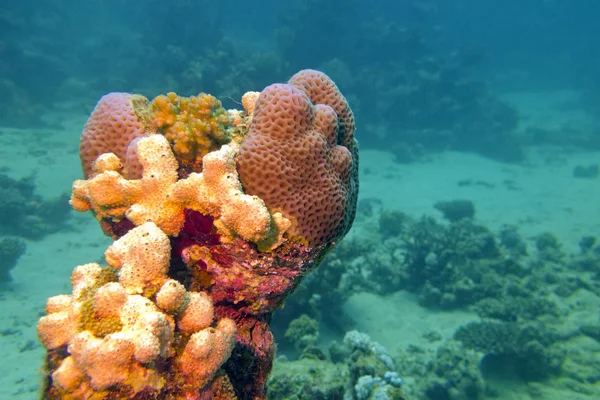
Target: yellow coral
{"x": 159, "y": 197}
{"x": 194, "y": 125}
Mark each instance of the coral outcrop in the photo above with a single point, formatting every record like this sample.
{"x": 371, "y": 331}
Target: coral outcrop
{"x": 300, "y": 154}
{"x": 194, "y": 125}
{"x": 202, "y": 257}
{"x": 10, "y": 251}
{"x": 121, "y": 343}
{"x": 115, "y": 123}
{"x": 359, "y": 369}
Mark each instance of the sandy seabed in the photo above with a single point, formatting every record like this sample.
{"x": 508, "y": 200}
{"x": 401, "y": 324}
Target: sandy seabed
{"x": 539, "y": 195}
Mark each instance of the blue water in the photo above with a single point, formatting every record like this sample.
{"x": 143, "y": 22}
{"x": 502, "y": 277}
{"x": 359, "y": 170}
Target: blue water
{"x": 493, "y": 102}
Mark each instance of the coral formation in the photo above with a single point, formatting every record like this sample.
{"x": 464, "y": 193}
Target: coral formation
{"x": 108, "y": 340}
{"x": 195, "y": 243}
{"x": 24, "y": 213}
{"x": 529, "y": 349}
{"x": 249, "y": 102}
{"x": 433, "y": 94}
{"x": 303, "y": 332}
{"x": 308, "y": 379}
{"x": 358, "y": 369}
{"x": 532, "y": 306}
{"x": 117, "y": 120}
{"x": 194, "y": 125}
{"x": 322, "y": 90}
{"x": 454, "y": 375}
{"x": 160, "y": 197}
{"x": 435, "y": 91}
{"x": 315, "y": 165}
{"x": 10, "y": 251}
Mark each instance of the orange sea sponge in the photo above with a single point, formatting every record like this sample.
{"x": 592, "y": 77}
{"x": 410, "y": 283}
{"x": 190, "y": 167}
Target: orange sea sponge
{"x": 194, "y": 125}
{"x": 149, "y": 344}
{"x": 301, "y": 158}
{"x": 117, "y": 120}
{"x": 249, "y": 102}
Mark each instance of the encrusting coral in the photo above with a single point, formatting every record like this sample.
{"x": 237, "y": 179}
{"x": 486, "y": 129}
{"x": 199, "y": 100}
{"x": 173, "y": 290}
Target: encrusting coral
{"x": 198, "y": 239}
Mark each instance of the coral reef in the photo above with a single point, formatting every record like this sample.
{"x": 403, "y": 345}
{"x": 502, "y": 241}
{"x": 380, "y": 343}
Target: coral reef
{"x": 193, "y": 125}
{"x": 372, "y": 370}
{"x": 449, "y": 266}
{"x": 26, "y": 214}
{"x": 307, "y": 379}
{"x": 200, "y": 258}
{"x": 436, "y": 100}
{"x": 438, "y": 262}
{"x": 434, "y": 91}
{"x": 160, "y": 197}
{"x": 113, "y": 126}
{"x": 531, "y": 299}
{"x": 450, "y": 372}
{"x": 120, "y": 343}
{"x": 527, "y": 348}
{"x": 455, "y": 210}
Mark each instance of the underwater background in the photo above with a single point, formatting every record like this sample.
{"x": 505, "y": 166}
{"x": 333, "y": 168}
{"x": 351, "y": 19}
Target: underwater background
{"x": 472, "y": 270}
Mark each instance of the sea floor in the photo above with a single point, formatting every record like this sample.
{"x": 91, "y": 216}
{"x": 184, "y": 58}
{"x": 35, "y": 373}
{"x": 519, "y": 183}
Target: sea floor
{"x": 539, "y": 195}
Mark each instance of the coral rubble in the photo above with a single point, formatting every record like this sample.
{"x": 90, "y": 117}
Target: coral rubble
{"x": 202, "y": 255}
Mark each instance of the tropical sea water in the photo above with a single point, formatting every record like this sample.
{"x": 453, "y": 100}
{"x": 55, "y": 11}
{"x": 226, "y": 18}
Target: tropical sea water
{"x": 473, "y": 266}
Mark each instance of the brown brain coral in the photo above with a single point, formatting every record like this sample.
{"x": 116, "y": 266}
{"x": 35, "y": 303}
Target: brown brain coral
{"x": 116, "y": 121}
{"x": 320, "y": 89}
{"x": 296, "y": 160}
{"x": 105, "y": 341}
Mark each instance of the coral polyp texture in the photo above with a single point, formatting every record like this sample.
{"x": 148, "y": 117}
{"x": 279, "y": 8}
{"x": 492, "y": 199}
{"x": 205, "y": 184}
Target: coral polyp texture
{"x": 115, "y": 123}
{"x": 120, "y": 342}
{"x": 194, "y": 125}
{"x": 225, "y": 215}
{"x": 301, "y": 158}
